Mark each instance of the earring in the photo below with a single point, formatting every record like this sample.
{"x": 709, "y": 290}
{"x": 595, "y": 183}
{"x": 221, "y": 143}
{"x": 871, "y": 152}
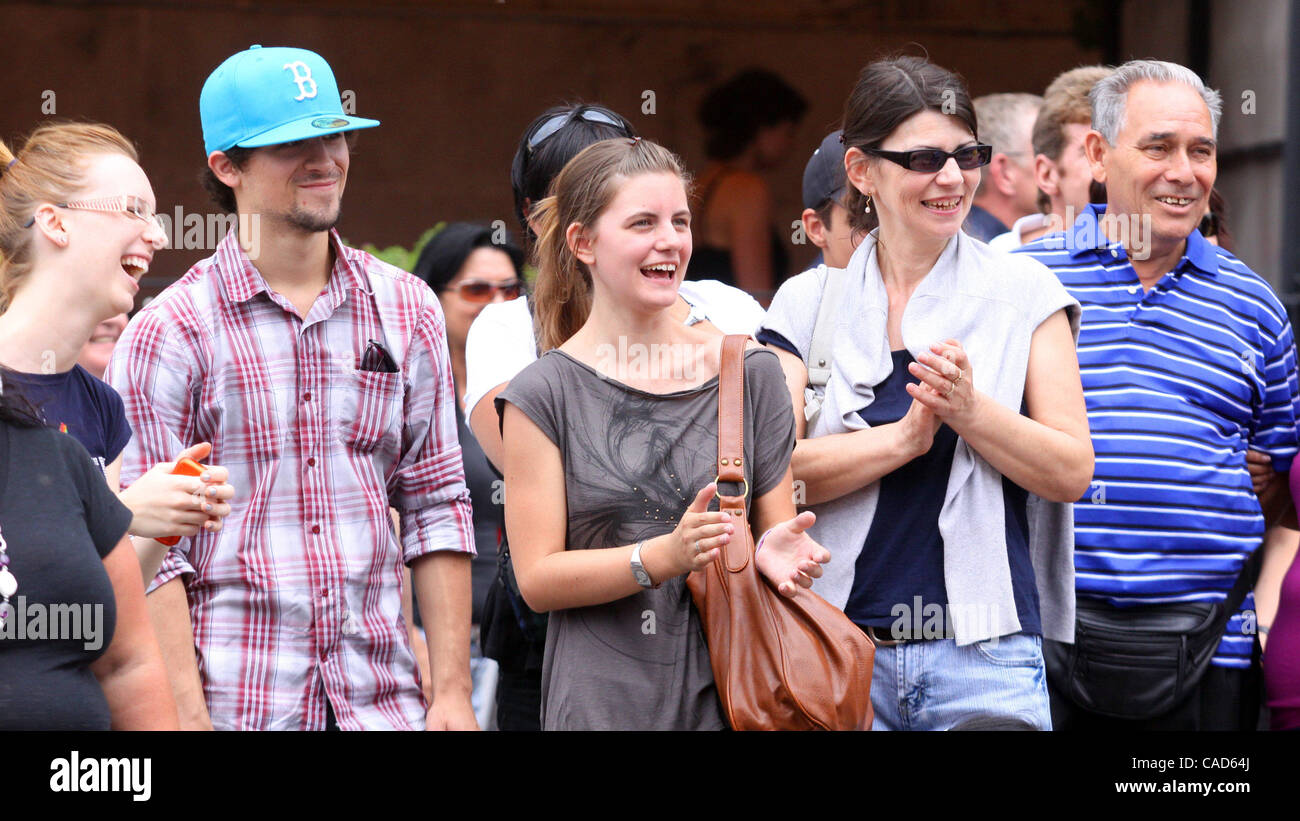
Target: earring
{"x": 62, "y": 239}
{"x": 867, "y": 209}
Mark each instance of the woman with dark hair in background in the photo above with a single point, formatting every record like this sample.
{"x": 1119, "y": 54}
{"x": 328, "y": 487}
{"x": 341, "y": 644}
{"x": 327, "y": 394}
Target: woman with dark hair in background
{"x": 63, "y": 545}
{"x": 503, "y": 341}
{"x": 749, "y": 122}
{"x": 468, "y": 271}
{"x": 955, "y": 393}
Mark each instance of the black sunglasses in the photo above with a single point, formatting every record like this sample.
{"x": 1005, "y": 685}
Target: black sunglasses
{"x": 548, "y": 129}
{"x": 930, "y": 160}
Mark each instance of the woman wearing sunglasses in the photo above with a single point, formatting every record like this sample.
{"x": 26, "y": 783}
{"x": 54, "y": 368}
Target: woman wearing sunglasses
{"x": 468, "y": 271}
{"x": 77, "y": 231}
{"x": 954, "y": 397}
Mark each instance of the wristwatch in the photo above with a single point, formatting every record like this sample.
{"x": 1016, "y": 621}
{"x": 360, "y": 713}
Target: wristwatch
{"x": 638, "y": 569}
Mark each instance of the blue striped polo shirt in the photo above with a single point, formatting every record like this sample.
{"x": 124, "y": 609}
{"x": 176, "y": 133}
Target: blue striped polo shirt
{"x": 1180, "y": 381}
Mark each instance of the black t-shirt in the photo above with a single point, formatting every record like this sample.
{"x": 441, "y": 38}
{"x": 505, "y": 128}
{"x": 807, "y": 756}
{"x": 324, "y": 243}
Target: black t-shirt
{"x": 76, "y": 402}
{"x": 489, "y": 519}
{"x": 59, "y": 520}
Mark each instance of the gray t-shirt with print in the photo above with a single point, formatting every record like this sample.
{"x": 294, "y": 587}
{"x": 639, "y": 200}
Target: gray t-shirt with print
{"x": 633, "y": 461}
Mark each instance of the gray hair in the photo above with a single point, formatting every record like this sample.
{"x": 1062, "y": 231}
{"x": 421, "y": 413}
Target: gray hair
{"x": 1109, "y": 95}
{"x": 1001, "y": 116}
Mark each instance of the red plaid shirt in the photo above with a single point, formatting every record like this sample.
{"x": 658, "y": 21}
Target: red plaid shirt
{"x": 299, "y": 595}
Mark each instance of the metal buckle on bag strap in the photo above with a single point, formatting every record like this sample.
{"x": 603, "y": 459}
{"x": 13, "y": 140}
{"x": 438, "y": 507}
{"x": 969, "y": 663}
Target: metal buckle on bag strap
{"x": 736, "y": 553}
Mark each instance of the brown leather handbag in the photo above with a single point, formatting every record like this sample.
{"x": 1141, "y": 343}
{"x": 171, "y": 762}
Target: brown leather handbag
{"x": 779, "y": 663}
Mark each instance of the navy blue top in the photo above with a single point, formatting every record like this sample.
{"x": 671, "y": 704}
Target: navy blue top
{"x": 982, "y": 225}
{"x": 902, "y": 559}
{"x": 901, "y": 562}
{"x": 76, "y": 402}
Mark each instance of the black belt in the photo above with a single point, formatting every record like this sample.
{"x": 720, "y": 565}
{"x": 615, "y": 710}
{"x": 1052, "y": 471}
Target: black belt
{"x": 884, "y": 636}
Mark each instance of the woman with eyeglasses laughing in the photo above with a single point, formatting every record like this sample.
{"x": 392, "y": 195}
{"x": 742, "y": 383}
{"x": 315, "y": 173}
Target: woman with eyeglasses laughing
{"x": 954, "y": 404}
{"x": 78, "y": 229}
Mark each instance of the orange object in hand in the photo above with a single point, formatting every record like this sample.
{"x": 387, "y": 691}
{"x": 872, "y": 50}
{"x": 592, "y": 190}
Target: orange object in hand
{"x": 184, "y": 467}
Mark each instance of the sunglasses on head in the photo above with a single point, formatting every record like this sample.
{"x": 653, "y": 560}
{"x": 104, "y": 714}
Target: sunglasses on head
{"x": 930, "y": 160}
{"x": 480, "y": 290}
{"x": 548, "y": 129}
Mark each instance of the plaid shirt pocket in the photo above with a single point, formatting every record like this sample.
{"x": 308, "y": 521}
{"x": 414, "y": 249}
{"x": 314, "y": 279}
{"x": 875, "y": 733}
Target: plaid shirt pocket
{"x": 371, "y": 411}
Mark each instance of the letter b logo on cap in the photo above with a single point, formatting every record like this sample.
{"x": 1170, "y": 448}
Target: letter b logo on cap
{"x": 249, "y": 100}
{"x": 302, "y": 76}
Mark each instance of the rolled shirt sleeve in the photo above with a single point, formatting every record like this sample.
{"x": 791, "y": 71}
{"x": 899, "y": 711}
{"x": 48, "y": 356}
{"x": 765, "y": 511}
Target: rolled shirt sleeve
{"x": 428, "y": 488}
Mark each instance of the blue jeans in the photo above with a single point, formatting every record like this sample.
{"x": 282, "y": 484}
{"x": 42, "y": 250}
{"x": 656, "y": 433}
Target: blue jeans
{"x": 934, "y": 685}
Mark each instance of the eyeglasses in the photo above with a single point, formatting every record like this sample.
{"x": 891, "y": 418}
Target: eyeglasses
{"x": 930, "y": 160}
{"x": 128, "y": 204}
{"x": 591, "y": 115}
{"x": 480, "y": 290}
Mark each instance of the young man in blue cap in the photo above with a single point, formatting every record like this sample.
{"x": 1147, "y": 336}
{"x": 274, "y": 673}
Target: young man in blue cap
{"x": 321, "y": 377}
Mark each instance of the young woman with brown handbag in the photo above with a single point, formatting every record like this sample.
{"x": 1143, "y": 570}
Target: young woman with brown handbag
{"x": 610, "y": 442}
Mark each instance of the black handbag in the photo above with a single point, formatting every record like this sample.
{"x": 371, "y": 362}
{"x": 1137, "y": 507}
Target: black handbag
{"x": 1140, "y": 662}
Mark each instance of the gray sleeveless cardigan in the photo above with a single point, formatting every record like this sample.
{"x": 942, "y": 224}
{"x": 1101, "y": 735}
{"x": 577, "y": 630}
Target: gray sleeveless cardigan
{"x": 992, "y": 302}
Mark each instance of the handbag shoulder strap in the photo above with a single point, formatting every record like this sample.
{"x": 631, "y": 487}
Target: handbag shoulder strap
{"x": 1245, "y": 583}
{"x": 731, "y": 437}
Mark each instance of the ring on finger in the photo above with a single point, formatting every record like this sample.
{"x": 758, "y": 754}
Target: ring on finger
{"x": 952, "y": 386}
{"x": 960, "y": 376}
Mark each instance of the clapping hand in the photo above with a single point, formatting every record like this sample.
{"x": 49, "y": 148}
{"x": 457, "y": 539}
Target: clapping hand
{"x": 946, "y": 386}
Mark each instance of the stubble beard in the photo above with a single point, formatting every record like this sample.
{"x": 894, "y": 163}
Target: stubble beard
{"x": 313, "y": 222}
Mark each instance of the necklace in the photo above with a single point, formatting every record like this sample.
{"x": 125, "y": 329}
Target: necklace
{"x": 8, "y": 584}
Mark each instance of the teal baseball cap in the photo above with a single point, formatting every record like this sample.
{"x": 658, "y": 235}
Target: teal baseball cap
{"x": 268, "y": 96}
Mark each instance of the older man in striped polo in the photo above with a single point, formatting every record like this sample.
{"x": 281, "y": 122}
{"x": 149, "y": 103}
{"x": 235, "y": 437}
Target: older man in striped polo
{"x": 1188, "y": 361}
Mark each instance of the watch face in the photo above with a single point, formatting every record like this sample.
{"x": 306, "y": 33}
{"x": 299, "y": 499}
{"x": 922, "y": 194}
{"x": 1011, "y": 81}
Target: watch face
{"x": 642, "y": 577}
